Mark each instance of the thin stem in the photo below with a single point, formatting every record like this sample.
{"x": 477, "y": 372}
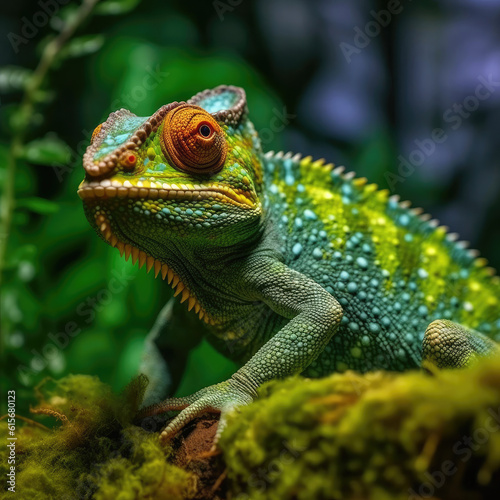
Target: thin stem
{"x": 34, "y": 84}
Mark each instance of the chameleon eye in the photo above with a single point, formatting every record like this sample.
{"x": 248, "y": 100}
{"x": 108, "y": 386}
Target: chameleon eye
{"x": 95, "y": 132}
{"x": 205, "y": 130}
{"x": 193, "y": 140}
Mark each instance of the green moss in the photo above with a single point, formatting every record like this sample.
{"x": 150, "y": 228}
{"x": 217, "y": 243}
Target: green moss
{"x": 379, "y": 436}
{"x": 374, "y": 436}
{"x": 96, "y": 452}
{"x": 144, "y": 474}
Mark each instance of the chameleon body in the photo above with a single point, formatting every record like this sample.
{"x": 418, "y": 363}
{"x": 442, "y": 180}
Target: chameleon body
{"x": 288, "y": 265}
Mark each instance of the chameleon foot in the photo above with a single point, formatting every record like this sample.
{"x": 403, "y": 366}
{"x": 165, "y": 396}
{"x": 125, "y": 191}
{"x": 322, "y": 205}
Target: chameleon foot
{"x": 222, "y": 398}
{"x": 450, "y": 345}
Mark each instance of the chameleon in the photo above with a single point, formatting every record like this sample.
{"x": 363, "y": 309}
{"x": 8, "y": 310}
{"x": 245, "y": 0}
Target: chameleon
{"x": 285, "y": 264}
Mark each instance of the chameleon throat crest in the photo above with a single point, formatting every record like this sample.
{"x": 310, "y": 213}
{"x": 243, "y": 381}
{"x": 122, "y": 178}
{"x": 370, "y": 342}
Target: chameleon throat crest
{"x": 142, "y": 257}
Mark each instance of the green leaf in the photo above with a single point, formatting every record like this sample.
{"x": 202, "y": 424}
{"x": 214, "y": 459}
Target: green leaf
{"x": 38, "y": 205}
{"x": 65, "y": 16}
{"x": 114, "y": 7}
{"x": 13, "y": 78}
{"x": 82, "y": 46}
{"x": 49, "y": 150}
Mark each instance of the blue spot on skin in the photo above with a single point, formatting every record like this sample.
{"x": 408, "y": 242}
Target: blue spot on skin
{"x": 289, "y": 180}
{"x": 161, "y": 167}
{"x": 178, "y": 210}
{"x": 317, "y": 253}
{"x": 300, "y": 188}
{"x": 408, "y": 238}
{"x": 273, "y": 188}
{"x": 216, "y": 206}
{"x": 352, "y": 287}
{"x": 284, "y": 219}
{"x": 374, "y": 328}
{"x": 344, "y": 275}
{"x": 346, "y": 189}
{"x": 365, "y": 340}
{"x": 310, "y": 215}
{"x": 297, "y": 249}
{"x": 165, "y": 210}
{"x": 353, "y": 327}
{"x": 197, "y": 212}
{"x": 146, "y": 161}
{"x": 362, "y": 262}
{"x": 423, "y": 310}
{"x": 404, "y": 219}
{"x": 189, "y": 211}
{"x": 298, "y": 223}
{"x": 422, "y": 273}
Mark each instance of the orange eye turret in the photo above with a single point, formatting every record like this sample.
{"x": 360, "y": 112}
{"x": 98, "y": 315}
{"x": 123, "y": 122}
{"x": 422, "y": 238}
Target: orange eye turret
{"x": 193, "y": 140}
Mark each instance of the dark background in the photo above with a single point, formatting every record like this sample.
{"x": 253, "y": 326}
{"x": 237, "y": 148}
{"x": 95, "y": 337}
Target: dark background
{"x": 354, "y": 98}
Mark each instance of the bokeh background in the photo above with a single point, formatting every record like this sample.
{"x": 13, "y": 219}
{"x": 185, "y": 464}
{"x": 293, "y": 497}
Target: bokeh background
{"x": 335, "y": 79}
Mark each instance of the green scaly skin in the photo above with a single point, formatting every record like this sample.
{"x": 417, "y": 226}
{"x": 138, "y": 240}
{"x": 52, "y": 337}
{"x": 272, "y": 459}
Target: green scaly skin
{"x": 295, "y": 268}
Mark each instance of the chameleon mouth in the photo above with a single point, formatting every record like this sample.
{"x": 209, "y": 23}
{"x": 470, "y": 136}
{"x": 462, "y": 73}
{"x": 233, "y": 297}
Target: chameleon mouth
{"x": 104, "y": 226}
{"x": 158, "y": 190}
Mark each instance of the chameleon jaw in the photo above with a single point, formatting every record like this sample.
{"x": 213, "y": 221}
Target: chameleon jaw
{"x": 153, "y": 190}
{"x": 104, "y": 226}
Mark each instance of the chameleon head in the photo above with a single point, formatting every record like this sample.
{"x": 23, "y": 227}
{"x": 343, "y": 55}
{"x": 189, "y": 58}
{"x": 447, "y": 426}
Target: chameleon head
{"x": 187, "y": 177}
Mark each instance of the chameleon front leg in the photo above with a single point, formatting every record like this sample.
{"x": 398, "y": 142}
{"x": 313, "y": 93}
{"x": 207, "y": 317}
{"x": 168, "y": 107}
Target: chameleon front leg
{"x": 174, "y": 334}
{"x": 314, "y": 316}
{"x": 450, "y": 345}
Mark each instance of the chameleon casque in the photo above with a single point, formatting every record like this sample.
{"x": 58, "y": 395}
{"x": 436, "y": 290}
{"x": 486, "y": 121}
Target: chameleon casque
{"x": 289, "y": 265}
